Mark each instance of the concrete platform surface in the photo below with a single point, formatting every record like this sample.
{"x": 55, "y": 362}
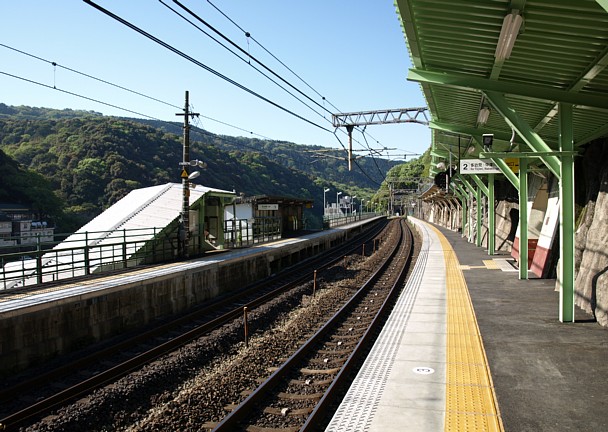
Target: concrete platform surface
{"x": 532, "y": 373}
{"x": 548, "y": 376}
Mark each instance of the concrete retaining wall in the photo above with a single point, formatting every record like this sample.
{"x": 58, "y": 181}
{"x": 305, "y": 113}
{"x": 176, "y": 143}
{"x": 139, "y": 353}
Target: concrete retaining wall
{"x": 33, "y": 334}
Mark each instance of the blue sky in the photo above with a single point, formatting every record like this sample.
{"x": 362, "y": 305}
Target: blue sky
{"x": 351, "y": 52}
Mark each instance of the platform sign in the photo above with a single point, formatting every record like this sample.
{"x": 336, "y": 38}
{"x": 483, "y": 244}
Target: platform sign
{"x": 478, "y": 166}
{"x": 268, "y": 206}
{"x": 513, "y": 164}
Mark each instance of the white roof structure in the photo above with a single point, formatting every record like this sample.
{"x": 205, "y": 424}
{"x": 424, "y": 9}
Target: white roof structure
{"x": 142, "y": 213}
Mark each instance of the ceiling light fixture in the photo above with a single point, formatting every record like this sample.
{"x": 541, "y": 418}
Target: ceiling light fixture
{"x": 482, "y": 117}
{"x": 508, "y": 33}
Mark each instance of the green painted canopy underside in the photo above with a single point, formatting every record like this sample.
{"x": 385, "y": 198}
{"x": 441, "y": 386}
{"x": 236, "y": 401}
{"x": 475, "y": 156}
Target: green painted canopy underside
{"x": 560, "y": 55}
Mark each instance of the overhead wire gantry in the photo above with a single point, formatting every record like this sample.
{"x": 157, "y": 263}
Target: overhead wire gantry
{"x": 366, "y": 118}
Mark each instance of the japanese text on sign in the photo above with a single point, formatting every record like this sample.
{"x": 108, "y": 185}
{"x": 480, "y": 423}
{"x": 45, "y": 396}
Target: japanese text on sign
{"x": 478, "y": 166}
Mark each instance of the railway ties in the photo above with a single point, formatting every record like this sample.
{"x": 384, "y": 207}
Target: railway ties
{"x": 298, "y": 393}
{"x": 200, "y": 398}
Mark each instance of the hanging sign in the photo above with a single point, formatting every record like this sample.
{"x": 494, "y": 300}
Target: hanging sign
{"x": 478, "y": 166}
{"x": 513, "y": 164}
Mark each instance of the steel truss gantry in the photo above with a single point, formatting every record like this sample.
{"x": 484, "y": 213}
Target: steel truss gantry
{"x": 367, "y": 118}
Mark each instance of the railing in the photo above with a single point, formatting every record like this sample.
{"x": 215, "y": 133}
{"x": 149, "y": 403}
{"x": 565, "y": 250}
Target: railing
{"x": 343, "y": 219}
{"x": 86, "y": 253}
{"x": 247, "y": 232}
{"x": 93, "y": 252}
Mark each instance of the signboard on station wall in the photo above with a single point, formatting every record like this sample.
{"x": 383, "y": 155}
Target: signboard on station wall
{"x": 513, "y": 163}
{"x": 268, "y": 206}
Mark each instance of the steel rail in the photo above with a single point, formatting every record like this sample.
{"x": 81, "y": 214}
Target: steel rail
{"x": 321, "y": 410}
{"x": 232, "y": 420}
{"x": 120, "y": 370}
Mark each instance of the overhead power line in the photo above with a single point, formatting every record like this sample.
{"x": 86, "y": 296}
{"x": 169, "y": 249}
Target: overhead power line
{"x": 249, "y": 57}
{"x": 79, "y": 95}
{"x": 249, "y": 36}
{"x": 199, "y": 130}
{"x": 55, "y": 64}
{"x": 171, "y": 48}
{"x": 200, "y": 64}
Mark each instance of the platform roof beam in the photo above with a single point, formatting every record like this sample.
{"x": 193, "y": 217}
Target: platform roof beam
{"x": 534, "y": 141}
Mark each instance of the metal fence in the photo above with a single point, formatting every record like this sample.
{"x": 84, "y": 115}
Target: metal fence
{"x": 93, "y": 252}
{"x": 86, "y": 253}
{"x": 343, "y": 219}
{"x": 247, "y": 232}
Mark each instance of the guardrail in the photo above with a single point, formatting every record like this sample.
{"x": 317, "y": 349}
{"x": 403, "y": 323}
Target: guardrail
{"x": 93, "y": 252}
{"x": 86, "y": 253}
{"x": 247, "y": 232}
{"x": 337, "y": 220}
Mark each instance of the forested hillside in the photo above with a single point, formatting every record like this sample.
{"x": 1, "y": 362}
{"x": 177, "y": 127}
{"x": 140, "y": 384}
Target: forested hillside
{"x": 367, "y": 173}
{"x": 20, "y": 186}
{"x": 90, "y": 161}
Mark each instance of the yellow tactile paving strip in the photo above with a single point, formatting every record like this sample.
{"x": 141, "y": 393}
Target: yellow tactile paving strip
{"x": 491, "y": 264}
{"x": 470, "y": 398}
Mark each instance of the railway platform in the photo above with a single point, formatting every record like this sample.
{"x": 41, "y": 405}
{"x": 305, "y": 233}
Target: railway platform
{"x": 47, "y": 321}
{"x": 470, "y": 347}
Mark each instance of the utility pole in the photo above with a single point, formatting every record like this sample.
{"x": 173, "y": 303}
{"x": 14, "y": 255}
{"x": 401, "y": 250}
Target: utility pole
{"x": 184, "y": 229}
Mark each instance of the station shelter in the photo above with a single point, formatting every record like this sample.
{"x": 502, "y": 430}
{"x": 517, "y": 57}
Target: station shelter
{"x": 264, "y": 217}
{"x": 517, "y": 91}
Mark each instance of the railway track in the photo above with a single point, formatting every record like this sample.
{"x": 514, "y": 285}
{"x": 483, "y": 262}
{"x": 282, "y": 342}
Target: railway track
{"x": 106, "y": 365}
{"x": 297, "y": 396}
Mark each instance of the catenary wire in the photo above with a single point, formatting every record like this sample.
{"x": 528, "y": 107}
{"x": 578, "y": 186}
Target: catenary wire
{"x": 243, "y": 59}
{"x": 248, "y": 35}
{"x": 200, "y": 131}
{"x": 137, "y": 93}
{"x": 256, "y": 60}
{"x": 198, "y": 18}
{"x": 88, "y": 76}
{"x": 200, "y": 64}
{"x": 196, "y": 131}
{"x": 125, "y": 89}
{"x": 79, "y": 95}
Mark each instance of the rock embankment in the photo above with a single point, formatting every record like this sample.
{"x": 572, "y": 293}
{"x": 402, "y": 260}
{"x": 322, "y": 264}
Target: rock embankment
{"x": 592, "y": 231}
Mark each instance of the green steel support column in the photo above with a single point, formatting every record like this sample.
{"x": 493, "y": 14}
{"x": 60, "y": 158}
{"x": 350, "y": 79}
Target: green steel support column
{"x": 485, "y": 190}
{"x": 458, "y": 197}
{"x": 463, "y": 205}
{"x": 478, "y": 198}
{"x": 470, "y": 187}
{"x": 480, "y": 184}
{"x": 523, "y": 218}
{"x": 566, "y": 214}
{"x": 465, "y": 212}
{"x": 491, "y": 216}
{"x": 481, "y": 188}
{"x": 466, "y": 183}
